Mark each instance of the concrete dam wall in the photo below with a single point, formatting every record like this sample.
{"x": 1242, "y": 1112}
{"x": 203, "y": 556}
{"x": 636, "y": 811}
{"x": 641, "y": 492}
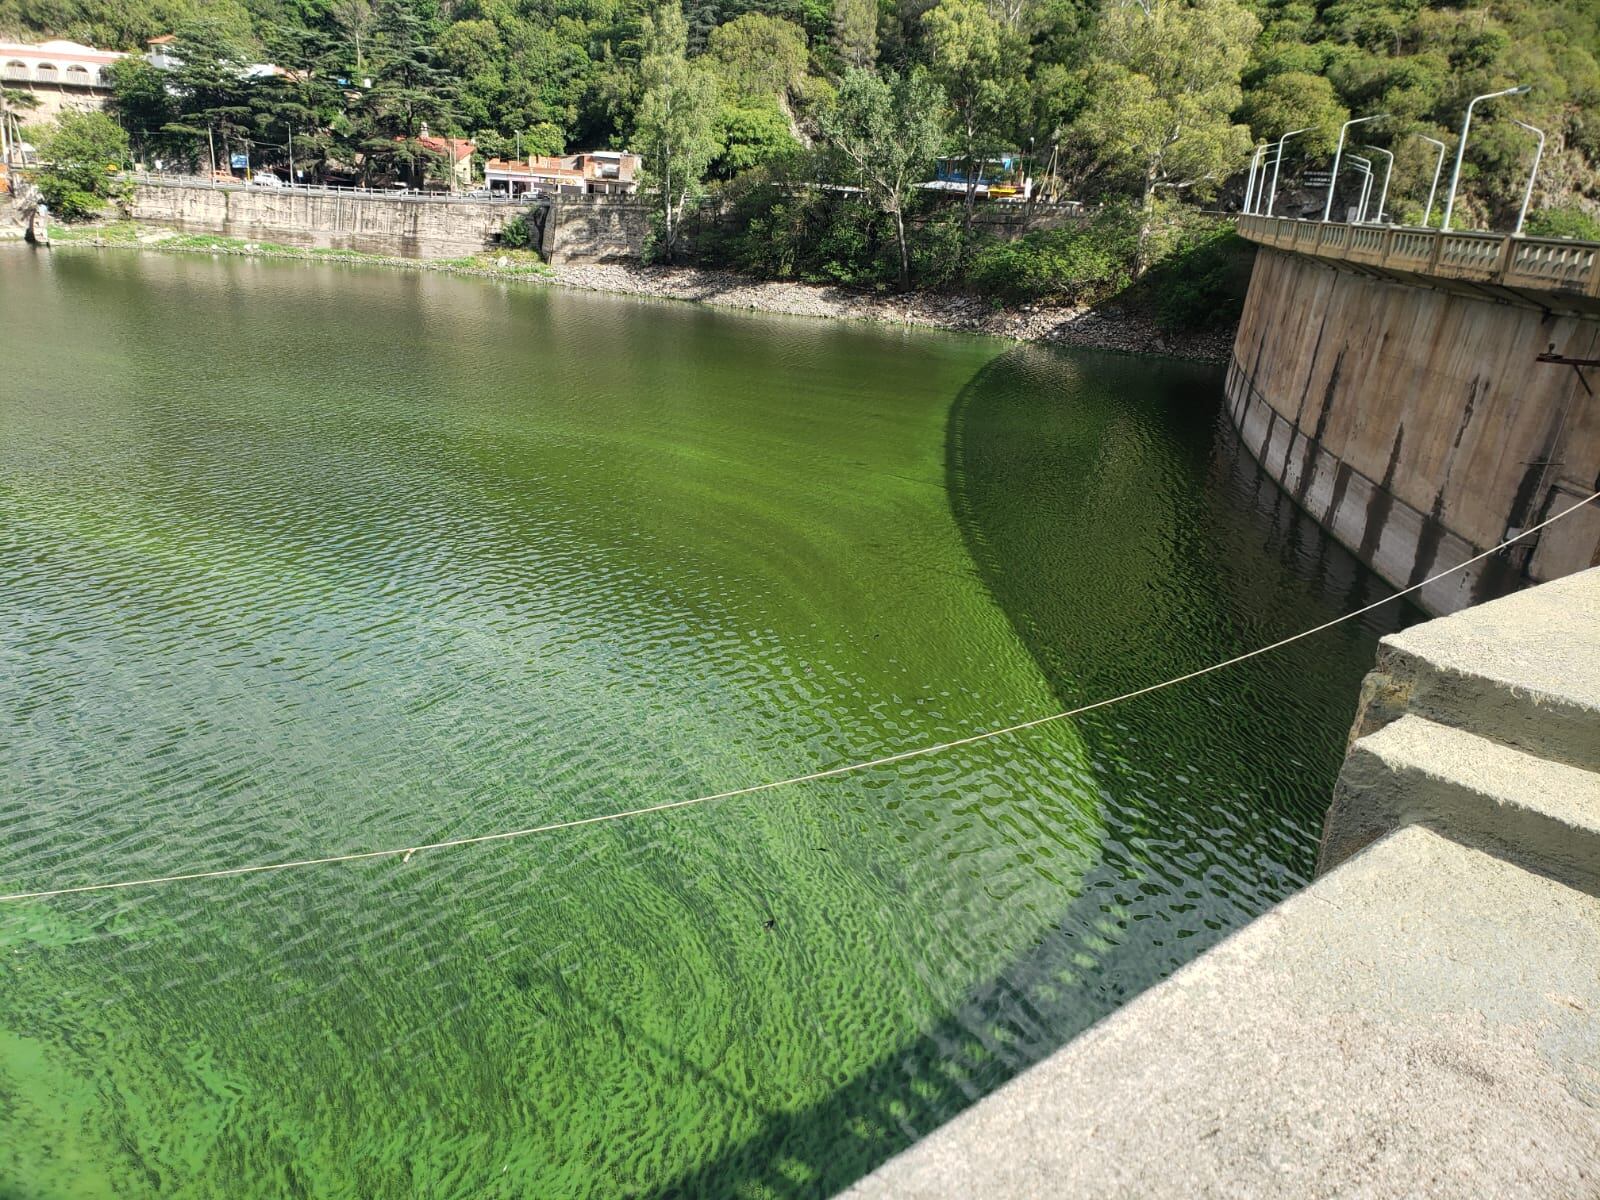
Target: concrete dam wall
{"x": 571, "y": 229}
{"x": 1413, "y": 419}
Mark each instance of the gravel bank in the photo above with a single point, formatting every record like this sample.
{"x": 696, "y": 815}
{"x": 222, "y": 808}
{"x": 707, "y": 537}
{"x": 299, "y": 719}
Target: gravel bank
{"x": 1105, "y": 328}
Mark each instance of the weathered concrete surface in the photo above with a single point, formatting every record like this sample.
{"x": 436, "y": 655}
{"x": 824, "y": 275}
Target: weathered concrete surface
{"x": 1541, "y": 814}
{"x": 1415, "y": 424}
{"x": 1422, "y": 1022}
{"x": 1486, "y": 726}
{"x": 595, "y": 229}
{"x": 574, "y": 229}
{"x": 434, "y": 228}
{"x": 1523, "y": 670}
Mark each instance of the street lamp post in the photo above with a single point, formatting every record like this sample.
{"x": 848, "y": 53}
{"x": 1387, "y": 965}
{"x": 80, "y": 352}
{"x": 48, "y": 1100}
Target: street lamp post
{"x": 1528, "y": 194}
{"x": 1427, "y": 213}
{"x": 1250, "y": 184}
{"x": 1338, "y": 152}
{"x": 1388, "y": 171}
{"x": 1364, "y": 167}
{"x": 1461, "y": 147}
{"x": 1272, "y": 197}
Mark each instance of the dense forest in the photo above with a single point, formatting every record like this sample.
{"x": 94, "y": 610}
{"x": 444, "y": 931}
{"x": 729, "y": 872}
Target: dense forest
{"x": 1130, "y": 104}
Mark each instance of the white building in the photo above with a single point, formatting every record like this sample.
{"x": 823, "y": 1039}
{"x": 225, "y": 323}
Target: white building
{"x": 60, "y": 75}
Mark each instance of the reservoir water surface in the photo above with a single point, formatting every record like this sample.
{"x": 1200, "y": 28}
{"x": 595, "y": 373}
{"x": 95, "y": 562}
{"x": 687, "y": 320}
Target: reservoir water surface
{"x": 299, "y": 560}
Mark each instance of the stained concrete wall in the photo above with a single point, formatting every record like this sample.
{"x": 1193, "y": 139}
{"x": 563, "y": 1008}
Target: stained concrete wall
{"x": 1416, "y": 425}
{"x": 573, "y": 229}
{"x": 595, "y": 229}
{"x": 432, "y": 228}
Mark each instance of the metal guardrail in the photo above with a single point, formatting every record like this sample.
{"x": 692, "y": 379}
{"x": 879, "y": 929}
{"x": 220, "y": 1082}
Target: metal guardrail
{"x": 165, "y": 179}
{"x": 175, "y": 180}
{"x": 1557, "y": 265}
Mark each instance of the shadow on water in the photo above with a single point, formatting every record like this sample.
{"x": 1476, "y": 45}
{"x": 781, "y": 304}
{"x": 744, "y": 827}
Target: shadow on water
{"x": 1128, "y": 537}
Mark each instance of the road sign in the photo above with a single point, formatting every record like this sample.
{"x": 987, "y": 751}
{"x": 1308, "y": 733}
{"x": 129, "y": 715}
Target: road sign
{"x": 239, "y": 162}
{"x": 1316, "y": 178}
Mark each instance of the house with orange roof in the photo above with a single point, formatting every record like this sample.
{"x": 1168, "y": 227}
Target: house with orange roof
{"x": 458, "y": 151}
{"x": 592, "y": 172}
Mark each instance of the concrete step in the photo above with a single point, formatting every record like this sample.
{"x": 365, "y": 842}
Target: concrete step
{"x": 1541, "y": 814}
{"x": 1523, "y": 670}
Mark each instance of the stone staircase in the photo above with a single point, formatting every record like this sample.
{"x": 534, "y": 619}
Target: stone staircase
{"x": 1485, "y": 727}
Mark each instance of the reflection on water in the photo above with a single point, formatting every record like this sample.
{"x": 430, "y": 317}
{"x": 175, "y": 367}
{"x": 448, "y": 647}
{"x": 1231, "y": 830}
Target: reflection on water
{"x": 304, "y": 560}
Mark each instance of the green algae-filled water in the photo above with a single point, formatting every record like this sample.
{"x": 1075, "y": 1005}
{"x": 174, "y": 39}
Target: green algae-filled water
{"x": 298, "y": 560}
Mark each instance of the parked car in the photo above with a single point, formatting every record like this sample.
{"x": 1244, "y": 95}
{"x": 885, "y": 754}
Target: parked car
{"x": 265, "y": 179}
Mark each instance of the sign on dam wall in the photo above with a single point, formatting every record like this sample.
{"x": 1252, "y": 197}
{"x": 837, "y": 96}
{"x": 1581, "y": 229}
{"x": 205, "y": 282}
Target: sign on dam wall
{"x": 1392, "y": 382}
{"x": 570, "y": 228}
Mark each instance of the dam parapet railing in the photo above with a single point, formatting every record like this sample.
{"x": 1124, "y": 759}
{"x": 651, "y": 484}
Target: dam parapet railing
{"x": 1551, "y": 266}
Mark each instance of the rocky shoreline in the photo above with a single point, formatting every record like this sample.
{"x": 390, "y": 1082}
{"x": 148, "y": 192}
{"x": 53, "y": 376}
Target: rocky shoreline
{"x": 1105, "y": 328}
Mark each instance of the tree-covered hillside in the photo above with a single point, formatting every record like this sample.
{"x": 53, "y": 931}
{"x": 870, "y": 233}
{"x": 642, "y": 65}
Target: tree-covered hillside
{"x": 1136, "y": 101}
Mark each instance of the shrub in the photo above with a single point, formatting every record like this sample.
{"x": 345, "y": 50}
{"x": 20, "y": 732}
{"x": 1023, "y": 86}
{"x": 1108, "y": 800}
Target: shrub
{"x": 517, "y": 234}
{"x": 1567, "y": 221}
{"x": 1201, "y": 275}
{"x": 83, "y": 153}
{"x": 1080, "y": 264}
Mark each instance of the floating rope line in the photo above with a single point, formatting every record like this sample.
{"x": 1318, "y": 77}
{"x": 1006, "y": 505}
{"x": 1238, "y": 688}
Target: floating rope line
{"x": 404, "y": 853}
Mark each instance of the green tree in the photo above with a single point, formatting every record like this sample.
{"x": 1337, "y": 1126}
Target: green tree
{"x": 751, "y": 134}
{"x": 855, "y": 32}
{"x": 1162, "y": 89}
{"x": 675, "y": 129}
{"x": 759, "y": 57}
{"x": 140, "y": 101}
{"x": 83, "y": 152}
{"x": 1296, "y": 100}
{"x": 210, "y": 93}
{"x": 887, "y": 130}
{"x": 980, "y": 64}
{"x": 409, "y": 89}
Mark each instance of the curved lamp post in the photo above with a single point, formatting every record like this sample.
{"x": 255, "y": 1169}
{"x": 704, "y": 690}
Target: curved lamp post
{"x": 1364, "y": 166}
{"x": 1537, "y": 155}
{"x": 1272, "y": 196}
{"x": 1427, "y": 213}
{"x": 1250, "y": 185}
{"x": 1461, "y": 147}
{"x": 1338, "y": 152}
{"x": 1387, "y": 172}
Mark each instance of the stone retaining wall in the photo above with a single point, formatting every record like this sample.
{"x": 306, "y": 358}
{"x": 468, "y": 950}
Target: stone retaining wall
{"x": 433, "y": 228}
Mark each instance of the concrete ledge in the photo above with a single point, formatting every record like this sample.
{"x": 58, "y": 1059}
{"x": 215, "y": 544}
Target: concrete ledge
{"x": 1543, "y": 815}
{"x": 1421, "y": 1022}
{"x": 1523, "y": 670}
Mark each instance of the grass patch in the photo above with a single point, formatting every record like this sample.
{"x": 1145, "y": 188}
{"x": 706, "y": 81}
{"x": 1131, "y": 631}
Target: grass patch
{"x": 510, "y": 264}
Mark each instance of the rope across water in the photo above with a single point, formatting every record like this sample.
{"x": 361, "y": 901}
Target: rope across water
{"x": 405, "y": 852}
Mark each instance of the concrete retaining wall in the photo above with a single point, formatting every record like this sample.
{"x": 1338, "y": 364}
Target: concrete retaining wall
{"x": 595, "y": 229}
{"x": 573, "y": 228}
{"x": 1416, "y": 425}
{"x": 374, "y": 224}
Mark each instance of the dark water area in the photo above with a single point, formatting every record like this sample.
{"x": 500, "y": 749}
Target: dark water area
{"x": 301, "y": 560}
